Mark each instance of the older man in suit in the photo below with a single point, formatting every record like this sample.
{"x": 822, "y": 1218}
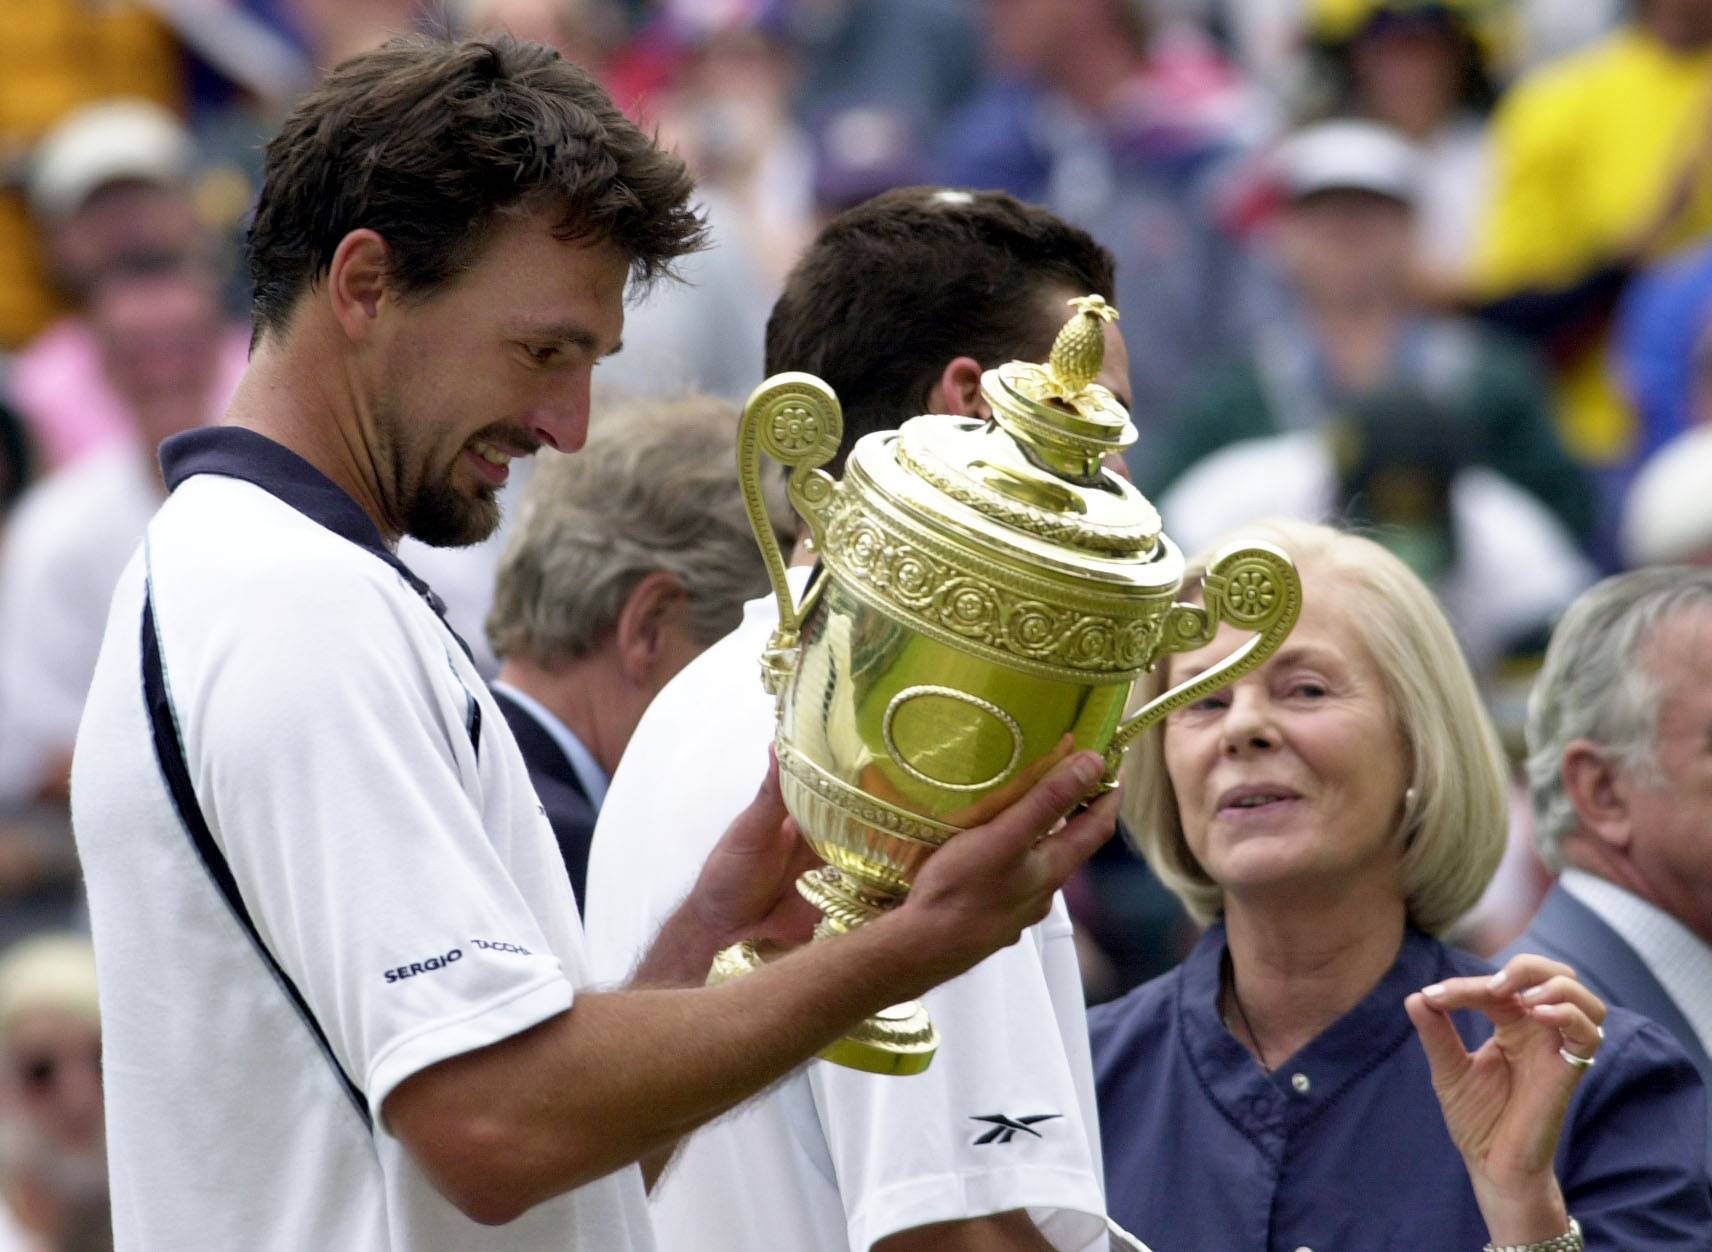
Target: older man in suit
{"x": 1620, "y": 767}
{"x": 625, "y": 562}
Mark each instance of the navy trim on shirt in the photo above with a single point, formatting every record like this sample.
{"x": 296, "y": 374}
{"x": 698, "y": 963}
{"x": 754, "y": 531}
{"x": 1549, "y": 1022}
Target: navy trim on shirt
{"x": 235, "y": 452}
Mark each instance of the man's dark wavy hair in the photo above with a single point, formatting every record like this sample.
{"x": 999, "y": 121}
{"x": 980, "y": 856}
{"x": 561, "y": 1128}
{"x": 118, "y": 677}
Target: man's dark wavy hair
{"x": 424, "y": 141}
{"x": 893, "y": 289}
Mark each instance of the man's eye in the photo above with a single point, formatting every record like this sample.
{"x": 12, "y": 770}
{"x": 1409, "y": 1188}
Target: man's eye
{"x": 540, "y": 355}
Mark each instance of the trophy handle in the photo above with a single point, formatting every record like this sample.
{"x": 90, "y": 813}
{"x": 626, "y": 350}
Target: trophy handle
{"x": 796, "y": 419}
{"x": 1253, "y": 588}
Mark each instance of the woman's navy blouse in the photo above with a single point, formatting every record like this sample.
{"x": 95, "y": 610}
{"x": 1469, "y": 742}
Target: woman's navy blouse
{"x": 1342, "y": 1147}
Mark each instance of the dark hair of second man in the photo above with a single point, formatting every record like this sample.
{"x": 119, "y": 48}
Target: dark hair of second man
{"x": 424, "y": 141}
{"x": 893, "y": 289}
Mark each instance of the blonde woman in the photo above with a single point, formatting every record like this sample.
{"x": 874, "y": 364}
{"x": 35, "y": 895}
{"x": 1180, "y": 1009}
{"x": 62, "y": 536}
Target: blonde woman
{"x": 1329, "y": 816}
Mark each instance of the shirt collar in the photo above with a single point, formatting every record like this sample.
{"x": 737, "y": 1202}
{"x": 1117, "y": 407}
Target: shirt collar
{"x": 589, "y": 772}
{"x": 1345, "y": 1050}
{"x": 1677, "y": 957}
{"x": 235, "y": 452}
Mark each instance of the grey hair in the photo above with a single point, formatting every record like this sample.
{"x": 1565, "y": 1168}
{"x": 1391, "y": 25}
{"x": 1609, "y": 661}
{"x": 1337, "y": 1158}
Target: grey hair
{"x": 1594, "y": 686}
{"x": 653, "y": 489}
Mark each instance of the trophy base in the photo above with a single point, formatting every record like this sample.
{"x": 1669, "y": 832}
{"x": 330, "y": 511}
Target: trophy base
{"x": 898, "y": 1040}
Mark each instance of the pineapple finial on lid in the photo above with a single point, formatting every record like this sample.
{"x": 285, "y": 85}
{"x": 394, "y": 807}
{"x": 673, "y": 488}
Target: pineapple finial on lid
{"x": 1080, "y": 349}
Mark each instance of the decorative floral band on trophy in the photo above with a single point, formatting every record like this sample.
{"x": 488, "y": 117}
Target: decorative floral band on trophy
{"x": 988, "y": 589}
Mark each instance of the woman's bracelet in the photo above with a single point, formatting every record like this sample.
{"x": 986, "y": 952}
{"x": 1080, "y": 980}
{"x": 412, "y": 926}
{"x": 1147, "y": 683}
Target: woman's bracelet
{"x": 1569, "y": 1241}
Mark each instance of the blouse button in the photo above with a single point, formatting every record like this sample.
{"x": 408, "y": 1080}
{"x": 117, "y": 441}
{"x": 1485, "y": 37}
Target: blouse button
{"x": 1301, "y": 1083}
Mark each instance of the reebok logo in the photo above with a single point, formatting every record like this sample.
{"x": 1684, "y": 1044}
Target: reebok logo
{"x": 1005, "y": 1128}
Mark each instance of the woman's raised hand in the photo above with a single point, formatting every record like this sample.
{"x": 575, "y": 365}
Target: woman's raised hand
{"x": 1504, "y": 1103}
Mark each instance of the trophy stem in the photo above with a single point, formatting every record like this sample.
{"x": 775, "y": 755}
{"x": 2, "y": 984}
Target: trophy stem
{"x": 897, "y": 1040}
{"x": 843, "y": 904}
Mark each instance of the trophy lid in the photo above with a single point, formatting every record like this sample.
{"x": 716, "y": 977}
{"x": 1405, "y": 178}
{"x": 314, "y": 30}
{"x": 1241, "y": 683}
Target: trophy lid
{"x": 1030, "y": 487}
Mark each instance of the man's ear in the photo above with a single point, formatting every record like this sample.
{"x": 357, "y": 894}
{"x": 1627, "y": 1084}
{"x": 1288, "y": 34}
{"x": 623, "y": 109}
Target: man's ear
{"x": 641, "y": 629}
{"x": 357, "y": 281}
{"x": 1599, "y": 792}
{"x": 958, "y": 390}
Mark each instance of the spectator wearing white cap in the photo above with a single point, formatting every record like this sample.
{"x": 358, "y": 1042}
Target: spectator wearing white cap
{"x": 57, "y": 55}
{"x": 53, "y": 1170}
{"x": 110, "y": 189}
{"x": 152, "y": 353}
{"x": 1343, "y": 243}
{"x": 1421, "y": 66}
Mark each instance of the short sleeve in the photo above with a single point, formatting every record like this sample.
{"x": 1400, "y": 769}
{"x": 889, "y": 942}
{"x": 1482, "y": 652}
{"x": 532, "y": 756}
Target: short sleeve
{"x": 327, "y": 733}
{"x": 1633, "y": 1157}
{"x": 995, "y": 1123}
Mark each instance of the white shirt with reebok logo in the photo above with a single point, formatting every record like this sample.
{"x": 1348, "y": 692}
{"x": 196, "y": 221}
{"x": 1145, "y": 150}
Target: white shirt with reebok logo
{"x": 830, "y": 1159}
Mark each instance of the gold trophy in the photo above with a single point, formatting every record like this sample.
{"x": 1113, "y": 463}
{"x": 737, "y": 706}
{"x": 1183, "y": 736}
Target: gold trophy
{"x": 987, "y": 589}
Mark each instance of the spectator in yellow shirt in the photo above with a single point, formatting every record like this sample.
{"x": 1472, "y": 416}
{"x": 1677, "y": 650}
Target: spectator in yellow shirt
{"x": 1601, "y": 160}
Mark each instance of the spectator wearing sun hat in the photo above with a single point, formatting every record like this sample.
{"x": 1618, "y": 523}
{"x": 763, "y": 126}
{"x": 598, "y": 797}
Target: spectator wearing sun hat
{"x": 1343, "y": 245}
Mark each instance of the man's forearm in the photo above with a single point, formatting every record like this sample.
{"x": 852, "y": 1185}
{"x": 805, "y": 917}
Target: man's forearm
{"x": 623, "y": 1074}
{"x": 626, "y": 1073}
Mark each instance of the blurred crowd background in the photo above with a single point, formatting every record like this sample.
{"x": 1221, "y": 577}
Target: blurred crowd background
{"x": 1438, "y": 268}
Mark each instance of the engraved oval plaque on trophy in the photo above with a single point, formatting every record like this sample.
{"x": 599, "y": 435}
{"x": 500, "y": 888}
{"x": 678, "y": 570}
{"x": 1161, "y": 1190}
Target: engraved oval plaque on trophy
{"x": 952, "y": 739}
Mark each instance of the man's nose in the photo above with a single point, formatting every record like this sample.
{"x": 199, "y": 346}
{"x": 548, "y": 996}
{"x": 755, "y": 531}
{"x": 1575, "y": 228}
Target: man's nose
{"x": 560, "y": 419}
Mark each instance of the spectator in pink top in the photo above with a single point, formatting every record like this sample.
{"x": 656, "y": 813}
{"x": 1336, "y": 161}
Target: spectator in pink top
{"x": 110, "y": 188}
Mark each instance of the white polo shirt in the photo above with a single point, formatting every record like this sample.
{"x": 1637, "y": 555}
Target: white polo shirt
{"x": 373, "y": 813}
{"x": 830, "y": 1158}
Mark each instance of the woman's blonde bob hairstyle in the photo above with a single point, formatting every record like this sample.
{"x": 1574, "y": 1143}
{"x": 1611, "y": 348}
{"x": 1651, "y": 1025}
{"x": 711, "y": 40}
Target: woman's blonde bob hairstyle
{"x": 1453, "y": 827}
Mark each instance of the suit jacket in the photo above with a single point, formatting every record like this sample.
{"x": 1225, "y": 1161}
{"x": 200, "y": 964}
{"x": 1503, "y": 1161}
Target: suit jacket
{"x": 557, "y": 786}
{"x": 1567, "y": 930}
